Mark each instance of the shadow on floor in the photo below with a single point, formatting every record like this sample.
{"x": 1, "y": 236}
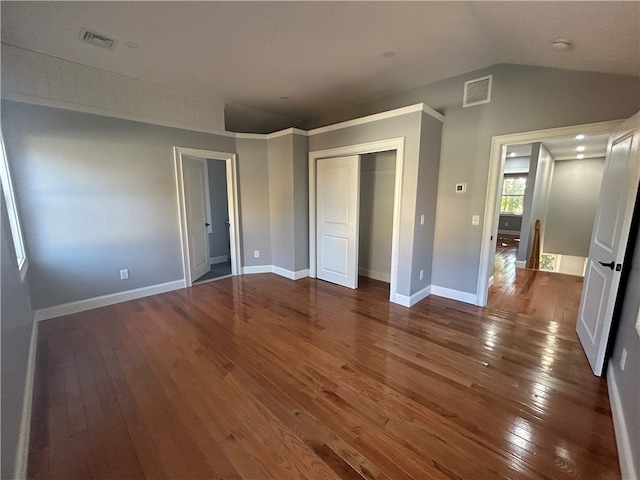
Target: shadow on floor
{"x": 218, "y": 270}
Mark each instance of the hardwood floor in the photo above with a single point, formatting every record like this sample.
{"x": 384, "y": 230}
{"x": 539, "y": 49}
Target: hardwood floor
{"x": 552, "y": 297}
{"x": 260, "y": 377}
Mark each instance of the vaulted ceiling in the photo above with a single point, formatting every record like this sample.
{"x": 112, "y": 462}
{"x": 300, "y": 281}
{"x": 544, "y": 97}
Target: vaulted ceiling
{"x": 301, "y": 60}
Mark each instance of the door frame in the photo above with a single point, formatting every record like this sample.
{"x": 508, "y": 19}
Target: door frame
{"x": 230, "y": 160}
{"x": 396, "y": 144}
{"x": 499, "y": 145}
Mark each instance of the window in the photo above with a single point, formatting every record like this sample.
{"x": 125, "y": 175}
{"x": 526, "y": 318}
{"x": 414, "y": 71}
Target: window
{"x": 548, "y": 262}
{"x": 512, "y": 201}
{"x": 12, "y": 211}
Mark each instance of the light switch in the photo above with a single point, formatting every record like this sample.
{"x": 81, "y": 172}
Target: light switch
{"x": 475, "y": 219}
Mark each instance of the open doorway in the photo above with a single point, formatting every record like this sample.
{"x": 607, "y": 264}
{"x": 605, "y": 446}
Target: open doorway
{"x": 499, "y": 149}
{"x": 395, "y": 149}
{"x": 206, "y": 185}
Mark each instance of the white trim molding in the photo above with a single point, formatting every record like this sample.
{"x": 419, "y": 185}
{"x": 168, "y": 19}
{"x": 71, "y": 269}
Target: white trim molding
{"x": 218, "y": 259}
{"x": 623, "y": 442}
{"x": 283, "y": 272}
{"x": 105, "y": 300}
{"x": 410, "y": 301}
{"x": 492, "y": 204}
{"x": 380, "y": 276}
{"x": 22, "y": 450}
{"x": 419, "y": 107}
{"x": 452, "y": 294}
{"x": 396, "y": 144}
{"x": 230, "y": 160}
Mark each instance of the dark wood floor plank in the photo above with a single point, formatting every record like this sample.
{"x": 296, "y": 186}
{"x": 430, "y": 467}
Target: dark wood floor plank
{"x": 262, "y": 377}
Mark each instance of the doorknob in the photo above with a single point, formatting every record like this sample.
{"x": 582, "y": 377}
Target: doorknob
{"x": 207, "y": 224}
{"x": 611, "y": 264}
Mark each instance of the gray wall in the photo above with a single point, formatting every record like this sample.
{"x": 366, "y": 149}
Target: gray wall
{"x": 281, "y": 187}
{"x": 572, "y": 206}
{"x": 253, "y": 179}
{"x": 511, "y": 224}
{"x": 301, "y": 201}
{"x": 524, "y": 98}
{"x": 628, "y": 380}
{"x": 377, "y": 182}
{"x": 426, "y": 198}
{"x": 16, "y": 325}
{"x": 536, "y": 199}
{"x": 409, "y": 127}
{"x": 219, "y": 204}
{"x": 97, "y": 194}
{"x": 289, "y": 201}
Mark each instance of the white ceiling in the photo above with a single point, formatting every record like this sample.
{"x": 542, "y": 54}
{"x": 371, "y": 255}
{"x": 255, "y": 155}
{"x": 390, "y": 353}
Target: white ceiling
{"x": 593, "y": 146}
{"x": 324, "y": 55}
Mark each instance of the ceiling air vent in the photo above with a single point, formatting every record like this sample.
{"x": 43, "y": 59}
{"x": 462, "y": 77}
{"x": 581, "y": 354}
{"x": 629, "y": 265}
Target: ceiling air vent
{"x": 477, "y": 92}
{"x": 97, "y": 39}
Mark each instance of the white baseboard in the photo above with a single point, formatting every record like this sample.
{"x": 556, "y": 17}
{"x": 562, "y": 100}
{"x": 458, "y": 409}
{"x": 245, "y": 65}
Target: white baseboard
{"x": 291, "y": 275}
{"x": 625, "y": 451}
{"x": 283, "y": 272}
{"x": 219, "y": 259}
{"x": 410, "y": 301}
{"x": 521, "y": 264}
{"x": 104, "y": 300}
{"x": 490, "y": 282}
{"x": 257, "y": 269}
{"x": 380, "y": 276}
{"x": 465, "y": 297}
{"x": 22, "y": 452}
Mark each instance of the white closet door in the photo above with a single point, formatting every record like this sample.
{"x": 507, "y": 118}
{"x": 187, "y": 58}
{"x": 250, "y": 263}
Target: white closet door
{"x": 338, "y": 203}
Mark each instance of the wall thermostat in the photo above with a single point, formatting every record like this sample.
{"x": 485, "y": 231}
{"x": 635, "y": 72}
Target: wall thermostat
{"x": 461, "y": 187}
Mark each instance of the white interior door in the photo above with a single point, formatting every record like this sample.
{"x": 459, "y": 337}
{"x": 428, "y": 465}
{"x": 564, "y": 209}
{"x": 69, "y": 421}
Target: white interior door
{"x": 608, "y": 241}
{"x": 338, "y": 202}
{"x": 196, "y": 212}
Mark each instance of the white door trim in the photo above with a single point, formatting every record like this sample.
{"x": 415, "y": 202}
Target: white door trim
{"x": 496, "y": 164}
{"x": 396, "y": 144}
{"x": 232, "y": 200}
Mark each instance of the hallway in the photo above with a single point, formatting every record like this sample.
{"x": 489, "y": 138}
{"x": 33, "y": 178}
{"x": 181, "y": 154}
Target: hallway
{"x": 545, "y": 295}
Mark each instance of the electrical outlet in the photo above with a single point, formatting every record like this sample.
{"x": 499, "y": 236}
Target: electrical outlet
{"x": 475, "y": 219}
{"x": 422, "y": 219}
{"x": 421, "y": 274}
{"x": 623, "y": 358}
{"x": 124, "y": 274}
{"x": 256, "y": 253}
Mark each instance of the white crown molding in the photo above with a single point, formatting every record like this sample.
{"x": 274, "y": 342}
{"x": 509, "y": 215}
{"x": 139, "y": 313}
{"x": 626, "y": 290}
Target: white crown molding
{"x": 420, "y": 107}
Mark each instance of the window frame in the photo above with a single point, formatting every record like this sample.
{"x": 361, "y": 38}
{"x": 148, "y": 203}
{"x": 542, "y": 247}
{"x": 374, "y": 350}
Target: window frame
{"x": 502, "y": 195}
{"x": 17, "y": 236}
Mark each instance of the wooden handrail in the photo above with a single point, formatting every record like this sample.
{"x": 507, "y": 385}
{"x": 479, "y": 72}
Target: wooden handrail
{"x": 534, "y": 259}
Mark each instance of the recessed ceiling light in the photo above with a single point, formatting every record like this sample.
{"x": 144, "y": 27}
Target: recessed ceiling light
{"x": 580, "y": 137}
{"x": 580, "y": 148}
{"x": 561, "y": 44}
{"x": 512, "y": 154}
{"x": 580, "y": 156}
